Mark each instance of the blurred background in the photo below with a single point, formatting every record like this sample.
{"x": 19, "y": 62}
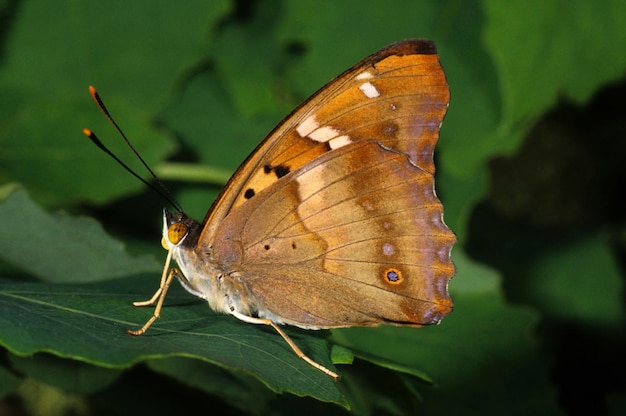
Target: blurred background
{"x": 530, "y": 167}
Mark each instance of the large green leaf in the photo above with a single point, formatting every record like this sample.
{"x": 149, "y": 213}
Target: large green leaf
{"x": 88, "y": 322}
{"x": 549, "y": 50}
{"x": 59, "y": 248}
{"x": 133, "y": 52}
{"x": 579, "y": 282}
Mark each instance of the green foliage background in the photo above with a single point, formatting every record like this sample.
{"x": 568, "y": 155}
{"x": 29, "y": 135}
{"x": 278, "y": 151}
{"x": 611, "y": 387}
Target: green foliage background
{"x": 530, "y": 168}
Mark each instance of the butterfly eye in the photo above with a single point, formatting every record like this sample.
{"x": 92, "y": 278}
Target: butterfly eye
{"x": 177, "y": 232}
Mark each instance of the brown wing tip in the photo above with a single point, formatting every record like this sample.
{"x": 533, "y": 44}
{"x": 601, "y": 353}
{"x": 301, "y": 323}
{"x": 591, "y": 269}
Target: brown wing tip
{"x": 410, "y": 47}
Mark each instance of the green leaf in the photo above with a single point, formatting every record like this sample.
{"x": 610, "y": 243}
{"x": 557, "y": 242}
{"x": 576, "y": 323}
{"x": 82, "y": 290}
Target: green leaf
{"x": 467, "y": 139}
{"x": 580, "y": 281}
{"x": 54, "y": 52}
{"x": 87, "y": 323}
{"x": 59, "y": 248}
{"x": 568, "y": 48}
{"x": 206, "y": 118}
{"x": 341, "y": 355}
{"x": 249, "y": 68}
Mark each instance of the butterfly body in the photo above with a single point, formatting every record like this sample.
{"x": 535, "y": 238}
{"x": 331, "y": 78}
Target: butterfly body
{"x": 333, "y": 221}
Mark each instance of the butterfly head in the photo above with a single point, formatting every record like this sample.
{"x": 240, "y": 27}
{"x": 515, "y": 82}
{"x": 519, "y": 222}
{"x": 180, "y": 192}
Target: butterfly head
{"x": 177, "y": 229}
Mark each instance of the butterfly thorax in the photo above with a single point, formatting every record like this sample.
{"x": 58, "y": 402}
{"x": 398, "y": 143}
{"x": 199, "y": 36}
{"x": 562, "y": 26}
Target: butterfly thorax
{"x": 200, "y": 274}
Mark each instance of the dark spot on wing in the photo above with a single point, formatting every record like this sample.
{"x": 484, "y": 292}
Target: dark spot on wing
{"x": 279, "y": 171}
{"x": 393, "y": 276}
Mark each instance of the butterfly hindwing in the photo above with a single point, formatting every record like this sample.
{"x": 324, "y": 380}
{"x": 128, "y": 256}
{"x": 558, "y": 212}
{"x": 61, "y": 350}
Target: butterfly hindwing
{"x": 355, "y": 243}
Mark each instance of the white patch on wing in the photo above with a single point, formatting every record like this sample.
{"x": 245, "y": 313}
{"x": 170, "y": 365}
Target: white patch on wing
{"x": 323, "y": 134}
{"x": 369, "y": 90}
{"x": 310, "y": 128}
{"x": 364, "y": 75}
{"x": 307, "y": 126}
{"x": 338, "y": 142}
{"x": 389, "y": 249}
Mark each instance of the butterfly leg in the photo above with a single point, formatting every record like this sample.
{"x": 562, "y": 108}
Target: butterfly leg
{"x": 289, "y": 341}
{"x": 164, "y": 277}
{"x": 166, "y": 280}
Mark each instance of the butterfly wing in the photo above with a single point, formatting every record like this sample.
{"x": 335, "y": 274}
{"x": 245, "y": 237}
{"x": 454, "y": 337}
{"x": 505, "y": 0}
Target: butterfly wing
{"x": 354, "y": 238}
{"x": 397, "y": 96}
{"x": 336, "y": 208}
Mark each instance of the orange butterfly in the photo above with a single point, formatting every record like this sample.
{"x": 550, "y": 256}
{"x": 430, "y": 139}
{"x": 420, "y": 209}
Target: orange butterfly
{"x": 333, "y": 220}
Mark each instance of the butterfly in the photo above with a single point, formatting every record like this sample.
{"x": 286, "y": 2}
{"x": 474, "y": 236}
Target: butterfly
{"x": 333, "y": 220}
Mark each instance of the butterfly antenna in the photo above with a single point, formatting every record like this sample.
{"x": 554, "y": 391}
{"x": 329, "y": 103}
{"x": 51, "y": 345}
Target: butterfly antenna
{"x": 162, "y": 190}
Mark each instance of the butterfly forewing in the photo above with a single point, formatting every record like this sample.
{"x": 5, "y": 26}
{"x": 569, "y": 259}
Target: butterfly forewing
{"x": 333, "y": 221}
{"x": 397, "y": 96}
